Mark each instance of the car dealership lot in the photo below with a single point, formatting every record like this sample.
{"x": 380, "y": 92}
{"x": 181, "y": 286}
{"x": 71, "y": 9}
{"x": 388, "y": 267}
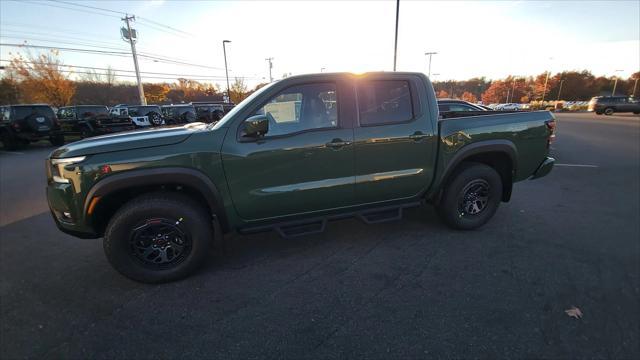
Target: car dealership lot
{"x": 405, "y": 289}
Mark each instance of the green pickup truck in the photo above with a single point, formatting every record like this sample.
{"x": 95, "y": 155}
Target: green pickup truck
{"x": 295, "y": 154}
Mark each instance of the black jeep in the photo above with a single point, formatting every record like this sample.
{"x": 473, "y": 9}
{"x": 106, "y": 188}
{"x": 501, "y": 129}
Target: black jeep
{"x": 91, "y": 120}
{"x": 179, "y": 114}
{"x": 208, "y": 112}
{"x": 22, "y": 124}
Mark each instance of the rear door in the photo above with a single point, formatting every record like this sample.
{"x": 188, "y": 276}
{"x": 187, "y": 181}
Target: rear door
{"x": 305, "y": 161}
{"x": 395, "y": 139}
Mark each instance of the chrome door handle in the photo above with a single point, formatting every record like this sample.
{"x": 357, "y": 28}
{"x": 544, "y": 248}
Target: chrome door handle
{"x": 338, "y": 143}
{"x": 417, "y": 136}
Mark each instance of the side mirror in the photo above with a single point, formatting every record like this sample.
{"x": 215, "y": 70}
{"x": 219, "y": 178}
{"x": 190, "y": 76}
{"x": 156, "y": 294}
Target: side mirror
{"x": 256, "y": 126}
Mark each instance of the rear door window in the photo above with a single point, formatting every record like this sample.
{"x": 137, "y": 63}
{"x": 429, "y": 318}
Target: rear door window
{"x": 384, "y": 102}
{"x": 26, "y": 111}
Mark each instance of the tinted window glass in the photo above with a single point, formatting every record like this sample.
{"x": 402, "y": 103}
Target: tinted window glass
{"x": 143, "y": 110}
{"x": 461, "y": 107}
{"x": 384, "y": 101}
{"x": 86, "y": 111}
{"x": 304, "y": 107}
{"x": 24, "y": 111}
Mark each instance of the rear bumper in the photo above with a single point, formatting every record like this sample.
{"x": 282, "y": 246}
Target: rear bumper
{"x": 544, "y": 169}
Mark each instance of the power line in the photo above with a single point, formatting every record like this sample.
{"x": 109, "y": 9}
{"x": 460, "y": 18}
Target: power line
{"x": 213, "y": 77}
{"x": 64, "y": 7}
{"x": 90, "y": 51}
{"x": 156, "y": 58}
{"x": 90, "y": 7}
{"x": 165, "y": 26}
{"x": 121, "y": 13}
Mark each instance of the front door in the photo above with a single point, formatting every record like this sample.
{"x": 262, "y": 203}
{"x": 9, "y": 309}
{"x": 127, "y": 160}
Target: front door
{"x": 304, "y": 163}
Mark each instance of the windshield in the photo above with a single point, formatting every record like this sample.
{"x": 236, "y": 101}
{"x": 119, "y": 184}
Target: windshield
{"x": 39, "y": 110}
{"x": 239, "y": 107}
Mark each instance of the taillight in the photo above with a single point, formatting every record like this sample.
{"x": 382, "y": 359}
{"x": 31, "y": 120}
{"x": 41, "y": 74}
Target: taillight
{"x": 551, "y": 125}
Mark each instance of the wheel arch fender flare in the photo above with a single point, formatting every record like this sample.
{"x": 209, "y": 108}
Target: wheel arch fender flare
{"x": 161, "y": 176}
{"x": 482, "y": 147}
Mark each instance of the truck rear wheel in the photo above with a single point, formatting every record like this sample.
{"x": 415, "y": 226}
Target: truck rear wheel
{"x": 158, "y": 238}
{"x": 471, "y": 197}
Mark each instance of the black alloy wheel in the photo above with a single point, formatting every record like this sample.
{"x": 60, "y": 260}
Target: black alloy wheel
{"x": 160, "y": 243}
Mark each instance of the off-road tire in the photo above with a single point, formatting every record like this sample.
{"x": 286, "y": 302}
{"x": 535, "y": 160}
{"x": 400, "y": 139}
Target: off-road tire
{"x": 190, "y": 217}
{"x": 468, "y": 174}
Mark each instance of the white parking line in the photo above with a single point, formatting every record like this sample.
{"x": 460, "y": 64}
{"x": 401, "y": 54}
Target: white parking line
{"x": 577, "y": 165}
{"x": 11, "y": 152}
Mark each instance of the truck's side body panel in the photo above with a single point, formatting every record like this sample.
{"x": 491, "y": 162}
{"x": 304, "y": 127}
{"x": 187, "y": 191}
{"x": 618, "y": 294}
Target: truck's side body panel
{"x": 301, "y": 175}
{"x": 525, "y": 133}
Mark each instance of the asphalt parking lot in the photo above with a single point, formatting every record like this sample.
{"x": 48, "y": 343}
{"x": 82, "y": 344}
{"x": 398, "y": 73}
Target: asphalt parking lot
{"x": 406, "y": 289}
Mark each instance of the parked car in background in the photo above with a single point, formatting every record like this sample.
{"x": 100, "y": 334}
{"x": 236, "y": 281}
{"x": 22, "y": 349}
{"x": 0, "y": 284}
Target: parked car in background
{"x": 141, "y": 115}
{"x": 22, "y": 124}
{"x": 178, "y": 114}
{"x": 91, "y": 120}
{"x": 287, "y": 159}
{"x": 612, "y": 104}
{"x": 457, "y": 105}
{"x": 208, "y": 112}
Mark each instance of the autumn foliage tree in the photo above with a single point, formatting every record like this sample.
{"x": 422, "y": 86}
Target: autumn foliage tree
{"x": 40, "y": 79}
{"x": 467, "y": 96}
{"x": 238, "y": 91}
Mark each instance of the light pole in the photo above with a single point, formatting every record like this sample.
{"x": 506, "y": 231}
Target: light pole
{"x": 615, "y": 83}
{"x": 395, "y": 46}
{"x": 270, "y": 60}
{"x": 226, "y": 70}
{"x": 560, "y": 89}
{"x": 430, "y": 54}
{"x": 546, "y": 80}
{"x": 635, "y": 85}
{"x": 513, "y": 88}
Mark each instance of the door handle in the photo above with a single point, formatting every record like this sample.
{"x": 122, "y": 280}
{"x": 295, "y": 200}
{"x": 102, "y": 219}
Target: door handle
{"x": 338, "y": 143}
{"x": 417, "y": 136}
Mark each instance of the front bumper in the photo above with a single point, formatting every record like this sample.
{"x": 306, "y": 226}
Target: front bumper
{"x": 544, "y": 169}
{"x": 60, "y": 200}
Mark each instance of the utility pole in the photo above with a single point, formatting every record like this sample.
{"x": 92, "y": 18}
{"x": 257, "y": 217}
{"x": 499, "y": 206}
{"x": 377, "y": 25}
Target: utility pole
{"x": 395, "y": 47}
{"x": 560, "y": 89}
{"x": 546, "y": 80}
{"x": 226, "y": 70}
{"x": 131, "y": 36}
{"x": 513, "y": 89}
{"x": 430, "y": 53}
{"x": 635, "y": 85}
{"x": 615, "y": 84}
{"x": 270, "y": 60}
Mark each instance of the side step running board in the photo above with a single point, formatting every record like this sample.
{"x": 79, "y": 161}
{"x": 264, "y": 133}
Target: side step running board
{"x": 317, "y": 225}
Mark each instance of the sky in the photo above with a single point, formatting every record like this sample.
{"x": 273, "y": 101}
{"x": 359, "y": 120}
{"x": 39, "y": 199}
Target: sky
{"x": 472, "y": 38}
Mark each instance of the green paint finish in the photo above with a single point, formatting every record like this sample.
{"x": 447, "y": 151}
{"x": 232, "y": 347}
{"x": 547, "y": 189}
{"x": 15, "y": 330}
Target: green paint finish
{"x": 302, "y": 174}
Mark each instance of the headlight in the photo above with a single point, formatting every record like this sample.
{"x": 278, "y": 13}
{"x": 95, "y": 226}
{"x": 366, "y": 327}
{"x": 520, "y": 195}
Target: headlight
{"x": 58, "y": 168}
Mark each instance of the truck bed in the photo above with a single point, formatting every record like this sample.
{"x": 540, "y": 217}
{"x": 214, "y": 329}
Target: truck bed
{"x": 525, "y": 132}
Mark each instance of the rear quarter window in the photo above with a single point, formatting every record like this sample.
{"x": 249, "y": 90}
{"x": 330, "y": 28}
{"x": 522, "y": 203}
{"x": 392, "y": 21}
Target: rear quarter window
{"x": 384, "y": 102}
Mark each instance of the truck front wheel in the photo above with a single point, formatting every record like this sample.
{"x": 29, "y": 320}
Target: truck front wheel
{"x": 158, "y": 238}
{"x": 471, "y": 197}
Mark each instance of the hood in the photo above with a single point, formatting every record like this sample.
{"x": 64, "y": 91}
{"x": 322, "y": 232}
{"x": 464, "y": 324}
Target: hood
{"x": 129, "y": 140}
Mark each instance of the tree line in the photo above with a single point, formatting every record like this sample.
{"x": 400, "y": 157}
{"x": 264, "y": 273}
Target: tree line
{"x": 42, "y": 79}
{"x": 566, "y": 85}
